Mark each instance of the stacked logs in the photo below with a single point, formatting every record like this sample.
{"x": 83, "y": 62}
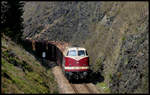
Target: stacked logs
{"x": 53, "y": 49}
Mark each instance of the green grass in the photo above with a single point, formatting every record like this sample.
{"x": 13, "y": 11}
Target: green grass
{"x": 103, "y": 87}
{"x": 22, "y": 73}
{"x": 123, "y": 38}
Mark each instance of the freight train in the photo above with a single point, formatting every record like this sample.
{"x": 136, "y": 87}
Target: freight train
{"x": 73, "y": 60}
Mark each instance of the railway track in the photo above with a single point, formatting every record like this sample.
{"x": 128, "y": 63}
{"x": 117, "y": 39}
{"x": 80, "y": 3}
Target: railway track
{"x": 74, "y": 88}
{"x": 82, "y": 88}
{"x": 66, "y": 87}
{"x": 88, "y": 88}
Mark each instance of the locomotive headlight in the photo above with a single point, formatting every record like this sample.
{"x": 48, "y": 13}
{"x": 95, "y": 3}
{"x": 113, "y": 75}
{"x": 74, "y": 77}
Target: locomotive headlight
{"x": 84, "y": 73}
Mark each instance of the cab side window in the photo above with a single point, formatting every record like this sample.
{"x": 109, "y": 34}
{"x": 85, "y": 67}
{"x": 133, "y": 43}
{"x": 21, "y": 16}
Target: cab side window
{"x": 86, "y": 53}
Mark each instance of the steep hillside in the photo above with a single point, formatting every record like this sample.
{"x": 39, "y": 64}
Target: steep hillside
{"x": 119, "y": 46}
{"x": 114, "y": 33}
{"x": 22, "y": 73}
{"x": 68, "y": 21}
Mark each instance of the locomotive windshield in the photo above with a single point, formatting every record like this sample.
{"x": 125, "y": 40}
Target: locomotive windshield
{"x": 72, "y": 53}
{"x": 77, "y": 52}
{"x": 81, "y": 53}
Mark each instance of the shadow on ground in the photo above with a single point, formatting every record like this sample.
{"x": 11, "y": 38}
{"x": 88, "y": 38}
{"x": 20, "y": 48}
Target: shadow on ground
{"x": 48, "y": 64}
{"x": 37, "y": 48}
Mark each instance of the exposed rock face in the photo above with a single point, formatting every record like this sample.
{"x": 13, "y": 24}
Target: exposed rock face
{"x": 123, "y": 43}
{"x": 132, "y": 70}
{"x": 68, "y": 21}
{"x": 114, "y": 33}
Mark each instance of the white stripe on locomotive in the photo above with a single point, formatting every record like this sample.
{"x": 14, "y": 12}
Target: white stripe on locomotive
{"x": 69, "y": 68}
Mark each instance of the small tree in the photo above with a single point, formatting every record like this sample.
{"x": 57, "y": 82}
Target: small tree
{"x": 11, "y": 19}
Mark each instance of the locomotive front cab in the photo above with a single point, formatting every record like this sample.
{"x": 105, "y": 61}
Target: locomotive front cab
{"x": 76, "y": 62}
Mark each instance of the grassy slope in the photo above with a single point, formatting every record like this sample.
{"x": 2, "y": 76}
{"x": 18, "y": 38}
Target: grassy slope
{"x": 22, "y": 73}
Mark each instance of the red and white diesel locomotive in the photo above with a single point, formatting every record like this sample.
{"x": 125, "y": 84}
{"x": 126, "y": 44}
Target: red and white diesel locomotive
{"x": 75, "y": 62}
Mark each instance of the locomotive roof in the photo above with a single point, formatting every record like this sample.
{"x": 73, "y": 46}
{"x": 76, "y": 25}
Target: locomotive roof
{"x": 73, "y": 48}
